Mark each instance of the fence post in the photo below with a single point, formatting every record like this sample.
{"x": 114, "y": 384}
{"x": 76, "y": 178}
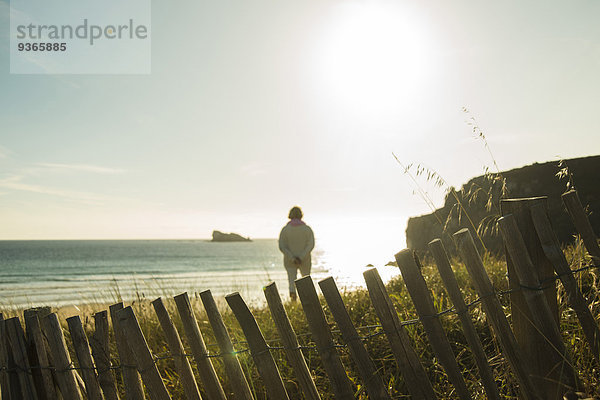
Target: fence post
{"x": 233, "y": 369}
{"x": 16, "y": 340}
{"x": 582, "y": 223}
{"x": 143, "y": 357}
{"x": 67, "y": 383}
{"x": 82, "y": 350}
{"x": 13, "y": 378}
{"x": 421, "y": 298}
{"x": 373, "y": 382}
{"x": 340, "y": 383}
{"x": 36, "y": 373}
{"x": 414, "y": 374}
{"x": 46, "y": 389}
{"x": 207, "y": 373}
{"x": 258, "y": 347}
{"x": 177, "y": 351}
{"x": 99, "y": 342}
{"x": 534, "y": 347}
{"x": 559, "y": 370}
{"x": 5, "y": 389}
{"x": 131, "y": 377}
{"x": 290, "y": 342}
{"x": 575, "y": 298}
{"x": 493, "y": 309}
{"x": 445, "y": 269}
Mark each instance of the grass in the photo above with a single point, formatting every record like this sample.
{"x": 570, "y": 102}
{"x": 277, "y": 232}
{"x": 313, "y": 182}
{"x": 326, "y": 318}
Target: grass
{"x": 363, "y": 315}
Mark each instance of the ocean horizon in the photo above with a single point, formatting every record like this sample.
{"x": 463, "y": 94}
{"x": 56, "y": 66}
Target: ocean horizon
{"x": 79, "y": 272}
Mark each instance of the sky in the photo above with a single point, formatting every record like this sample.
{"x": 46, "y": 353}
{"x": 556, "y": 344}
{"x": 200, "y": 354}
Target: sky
{"x": 254, "y": 107}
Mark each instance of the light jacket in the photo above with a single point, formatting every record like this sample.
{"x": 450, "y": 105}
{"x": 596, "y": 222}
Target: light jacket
{"x": 296, "y": 241}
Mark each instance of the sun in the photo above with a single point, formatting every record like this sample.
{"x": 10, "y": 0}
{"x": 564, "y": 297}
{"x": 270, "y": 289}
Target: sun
{"x": 374, "y": 57}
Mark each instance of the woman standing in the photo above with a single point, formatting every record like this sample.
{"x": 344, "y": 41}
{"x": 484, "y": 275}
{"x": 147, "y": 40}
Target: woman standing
{"x": 296, "y": 241}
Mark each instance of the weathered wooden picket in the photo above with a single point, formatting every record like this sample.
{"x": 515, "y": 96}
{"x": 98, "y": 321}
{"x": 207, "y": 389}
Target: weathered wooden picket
{"x": 35, "y": 363}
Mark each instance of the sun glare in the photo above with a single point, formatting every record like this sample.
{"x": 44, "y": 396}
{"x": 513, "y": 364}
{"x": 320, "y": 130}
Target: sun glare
{"x": 346, "y": 247}
{"x": 375, "y": 58}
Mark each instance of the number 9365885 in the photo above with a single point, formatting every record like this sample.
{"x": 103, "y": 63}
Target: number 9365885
{"x": 42, "y": 46}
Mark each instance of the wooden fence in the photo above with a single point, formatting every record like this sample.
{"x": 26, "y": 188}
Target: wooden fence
{"x": 36, "y": 363}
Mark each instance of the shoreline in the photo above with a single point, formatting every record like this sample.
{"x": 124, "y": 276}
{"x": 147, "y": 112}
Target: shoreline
{"x": 90, "y": 308}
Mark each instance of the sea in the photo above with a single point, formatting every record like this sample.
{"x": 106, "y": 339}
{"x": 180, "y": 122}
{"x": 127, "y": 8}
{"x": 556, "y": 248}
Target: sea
{"x": 79, "y": 272}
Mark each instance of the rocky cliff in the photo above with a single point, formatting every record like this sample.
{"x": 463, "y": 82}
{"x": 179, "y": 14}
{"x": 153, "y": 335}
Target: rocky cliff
{"x": 529, "y": 181}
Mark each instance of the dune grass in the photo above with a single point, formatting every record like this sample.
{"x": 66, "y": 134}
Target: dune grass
{"x": 363, "y": 315}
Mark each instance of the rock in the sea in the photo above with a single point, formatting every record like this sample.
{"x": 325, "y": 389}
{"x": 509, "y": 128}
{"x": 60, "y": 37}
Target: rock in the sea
{"x": 218, "y": 236}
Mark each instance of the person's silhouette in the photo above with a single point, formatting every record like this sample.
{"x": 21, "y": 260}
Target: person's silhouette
{"x": 296, "y": 241}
